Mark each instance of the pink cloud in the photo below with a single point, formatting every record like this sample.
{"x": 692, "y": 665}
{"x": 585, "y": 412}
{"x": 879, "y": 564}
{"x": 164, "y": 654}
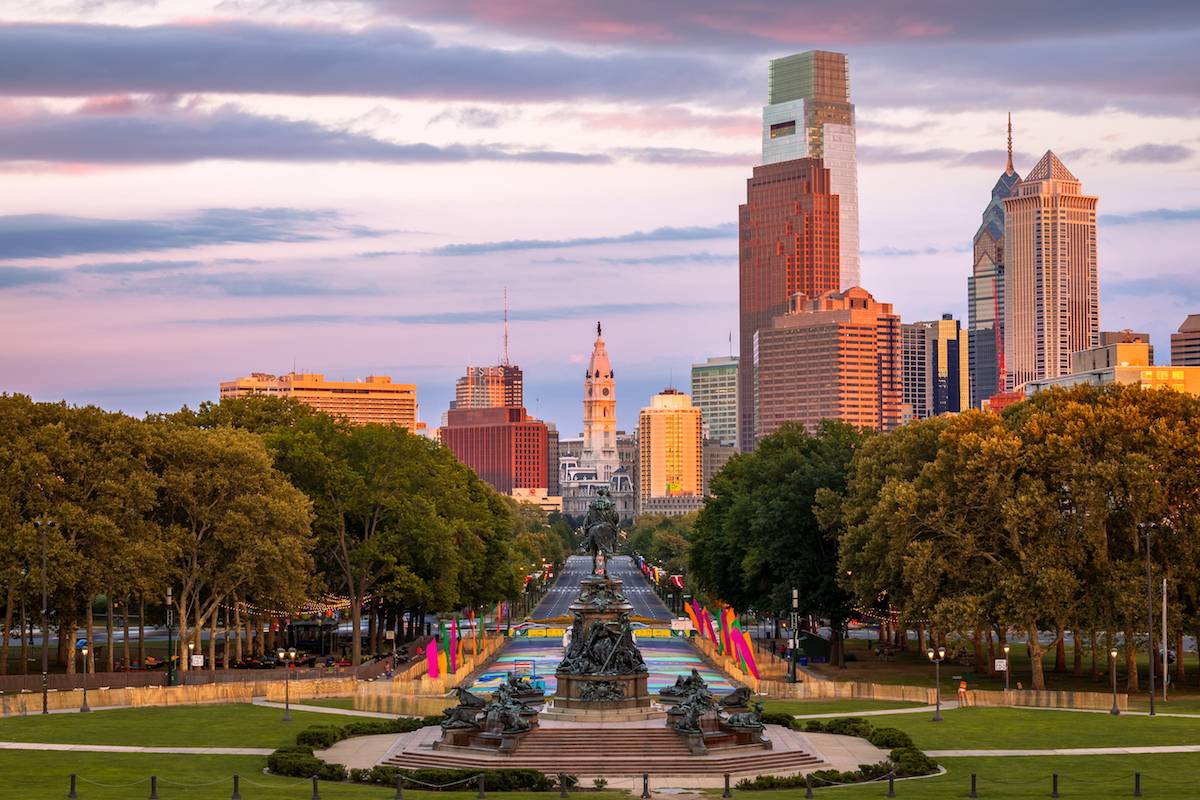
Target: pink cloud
{"x": 672, "y": 118}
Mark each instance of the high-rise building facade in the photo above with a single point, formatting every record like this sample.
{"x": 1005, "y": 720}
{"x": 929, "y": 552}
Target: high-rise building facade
{"x": 1051, "y": 285}
{"x": 669, "y": 446}
{"x": 373, "y": 400}
{"x": 935, "y": 374}
{"x": 1185, "y": 343}
{"x": 916, "y": 348}
{"x": 715, "y": 393}
{"x": 837, "y": 356}
{"x": 985, "y": 290}
{"x": 552, "y": 455}
{"x": 788, "y": 243}
{"x": 1124, "y": 363}
{"x": 809, "y": 115}
{"x": 490, "y": 387}
{"x": 504, "y": 446}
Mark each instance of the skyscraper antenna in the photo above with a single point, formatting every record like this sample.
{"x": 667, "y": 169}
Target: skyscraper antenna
{"x": 507, "y": 363}
{"x": 1009, "y": 168}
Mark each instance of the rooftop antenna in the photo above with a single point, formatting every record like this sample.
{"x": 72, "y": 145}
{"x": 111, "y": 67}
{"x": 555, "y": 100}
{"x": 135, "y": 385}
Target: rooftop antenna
{"x": 507, "y": 363}
{"x": 731, "y": 344}
{"x": 1009, "y": 168}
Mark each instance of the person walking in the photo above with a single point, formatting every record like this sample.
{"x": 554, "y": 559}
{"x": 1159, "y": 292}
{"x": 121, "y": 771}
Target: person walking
{"x": 962, "y": 693}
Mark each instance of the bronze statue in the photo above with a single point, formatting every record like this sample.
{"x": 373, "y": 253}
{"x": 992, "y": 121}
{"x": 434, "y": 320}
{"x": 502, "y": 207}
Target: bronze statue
{"x": 600, "y": 530}
{"x": 607, "y": 648}
{"x": 747, "y": 719}
{"x": 466, "y": 714}
{"x": 735, "y": 699}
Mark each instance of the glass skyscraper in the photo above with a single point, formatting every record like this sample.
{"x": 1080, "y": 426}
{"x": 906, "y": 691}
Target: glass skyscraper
{"x": 809, "y": 115}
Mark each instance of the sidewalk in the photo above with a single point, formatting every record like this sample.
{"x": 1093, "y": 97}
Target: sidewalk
{"x": 946, "y": 706}
{"x": 1068, "y": 751}
{"x": 345, "y": 712}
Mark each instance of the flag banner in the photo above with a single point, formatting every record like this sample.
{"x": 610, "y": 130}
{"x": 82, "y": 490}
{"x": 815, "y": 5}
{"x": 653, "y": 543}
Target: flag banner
{"x": 443, "y": 663}
{"x": 708, "y": 626}
{"x": 454, "y": 648}
{"x": 444, "y": 642}
{"x": 431, "y": 659}
{"x": 746, "y": 652}
{"x": 692, "y": 616}
{"x": 677, "y": 581}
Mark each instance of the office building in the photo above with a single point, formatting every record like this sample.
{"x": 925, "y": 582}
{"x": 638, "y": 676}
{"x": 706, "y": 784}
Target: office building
{"x": 916, "y": 356}
{"x": 809, "y": 115}
{"x": 788, "y": 244}
{"x": 372, "y": 400}
{"x": 715, "y": 393}
{"x": 1123, "y": 362}
{"x": 1051, "y": 291}
{"x": 1185, "y": 344}
{"x": 552, "y": 455}
{"x": 490, "y": 387}
{"x": 985, "y": 291}
{"x": 504, "y": 446}
{"x": 1127, "y": 336}
{"x": 936, "y": 377}
{"x": 836, "y": 356}
{"x": 670, "y": 451}
{"x": 716, "y": 455}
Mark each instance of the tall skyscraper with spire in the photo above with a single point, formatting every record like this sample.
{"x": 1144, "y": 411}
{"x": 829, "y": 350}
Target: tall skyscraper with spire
{"x": 1051, "y": 283}
{"x": 985, "y": 290}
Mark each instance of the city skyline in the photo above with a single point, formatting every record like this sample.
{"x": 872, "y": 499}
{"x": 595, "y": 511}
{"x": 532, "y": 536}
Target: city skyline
{"x": 162, "y": 231}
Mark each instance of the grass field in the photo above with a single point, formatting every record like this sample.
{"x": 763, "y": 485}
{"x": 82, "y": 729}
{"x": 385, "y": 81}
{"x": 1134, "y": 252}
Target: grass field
{"x": 31, "y": 775}
{"x": 329, "y": 702}
{"x": 1166, "y": 777}
{"x": 1013, "y": 728}
{"x": 912, "y": 668}
{"x": 237, "y": 725}
{"x": 849, "y": 706}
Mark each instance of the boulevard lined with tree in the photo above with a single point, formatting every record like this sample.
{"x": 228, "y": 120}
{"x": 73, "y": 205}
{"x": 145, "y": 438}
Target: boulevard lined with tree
{"x": 247, "y": 510}
{"x": 974, "y": 526}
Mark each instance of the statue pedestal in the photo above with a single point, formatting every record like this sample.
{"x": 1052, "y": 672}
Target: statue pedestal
{"x": 602, "y": 672}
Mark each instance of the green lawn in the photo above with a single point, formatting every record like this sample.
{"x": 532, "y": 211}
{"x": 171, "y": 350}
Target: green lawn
{"x": 32, "y": 775}
{"x": 913, "y": 669}
{"x": 1167, "y": 777}
{"x": 237, "y": 725}
{"x": 1013, "y": 728}
{"x": 329, "y": 702}
{"x": 849, "y": 706}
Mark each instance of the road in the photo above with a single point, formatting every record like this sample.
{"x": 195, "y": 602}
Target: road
{"x": 636, "y": 588}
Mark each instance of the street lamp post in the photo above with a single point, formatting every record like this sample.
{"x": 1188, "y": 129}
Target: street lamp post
{"x": 1007, "y": 667}
{"x": 937, "y": 658}
{"x": 1147, "y": 529}
{"x": 1112, "y": 667}
{"x": 191, "y": 652}
{"x": 41, "y": 526}
{"x": 795, "y": 634}
{"x": 170, "y": 641}
{"x": 290, "y": 654}
{"x": 83, "y": 708}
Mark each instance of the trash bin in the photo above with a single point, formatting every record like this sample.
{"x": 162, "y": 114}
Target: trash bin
{"x": 802, "y": 661}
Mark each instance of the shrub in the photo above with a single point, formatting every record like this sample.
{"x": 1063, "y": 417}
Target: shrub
{"x": 909, "y": 761}
{"x": 849, "y": 726}
{"x": 779, "y": 718}
{"x": 889, "y": 738}
{"x": 320, "y": 737}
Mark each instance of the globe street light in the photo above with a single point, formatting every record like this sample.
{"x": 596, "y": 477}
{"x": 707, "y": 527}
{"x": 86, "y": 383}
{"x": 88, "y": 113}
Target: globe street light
{"x": 1112, "y": 667}
{"x": 290, "y": 655}
{"x": 1007, "y": 667}
{"x": 191, "y": 652}
{"x": 84, "y": 706}
{"x": 937, "y": 659}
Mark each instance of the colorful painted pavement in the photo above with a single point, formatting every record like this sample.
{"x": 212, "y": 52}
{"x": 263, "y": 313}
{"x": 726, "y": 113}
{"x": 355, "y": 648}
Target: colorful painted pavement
{"x": 666, "y": 657}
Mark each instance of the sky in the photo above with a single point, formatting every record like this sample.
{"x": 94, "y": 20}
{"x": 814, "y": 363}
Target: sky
{"x": 192, "y": 190}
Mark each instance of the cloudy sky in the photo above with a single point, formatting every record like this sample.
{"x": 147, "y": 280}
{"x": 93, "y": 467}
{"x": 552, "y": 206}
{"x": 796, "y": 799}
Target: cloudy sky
{"x": 197, "y": 189}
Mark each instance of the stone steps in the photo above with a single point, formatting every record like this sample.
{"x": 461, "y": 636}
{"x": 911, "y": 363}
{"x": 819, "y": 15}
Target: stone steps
{"x": 615, "y": 752}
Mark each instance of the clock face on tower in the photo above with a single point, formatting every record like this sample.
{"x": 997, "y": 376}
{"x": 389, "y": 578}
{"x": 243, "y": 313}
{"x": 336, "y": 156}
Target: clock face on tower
{"x": 605, "y": 391}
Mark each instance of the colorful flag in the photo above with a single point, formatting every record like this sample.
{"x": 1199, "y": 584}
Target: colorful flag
{"x": 454, "y": 644}
{"x": 708, "y": 626}
{"x": 431, "y": 659}
{"x": 474, "y": 636}
{"x": 746, "y": 652}
{"x": 692, "y": 616}
{"x": 444, "y": 643}
{"x": 443, "y": 663}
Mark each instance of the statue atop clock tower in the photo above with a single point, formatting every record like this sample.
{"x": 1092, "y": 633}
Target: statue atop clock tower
{"x": 600, "y": 413}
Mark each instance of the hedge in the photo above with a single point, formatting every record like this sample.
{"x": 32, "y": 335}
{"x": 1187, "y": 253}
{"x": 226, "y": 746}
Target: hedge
{"x": 322, "y": 737}
{"x": 498, "y": 780}
{"x": 904, "y": 760}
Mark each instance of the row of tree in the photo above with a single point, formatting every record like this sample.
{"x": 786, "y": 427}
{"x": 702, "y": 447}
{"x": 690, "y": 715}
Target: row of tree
{"x": 253, "y": 505}
{"x": 975, "y": 525}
